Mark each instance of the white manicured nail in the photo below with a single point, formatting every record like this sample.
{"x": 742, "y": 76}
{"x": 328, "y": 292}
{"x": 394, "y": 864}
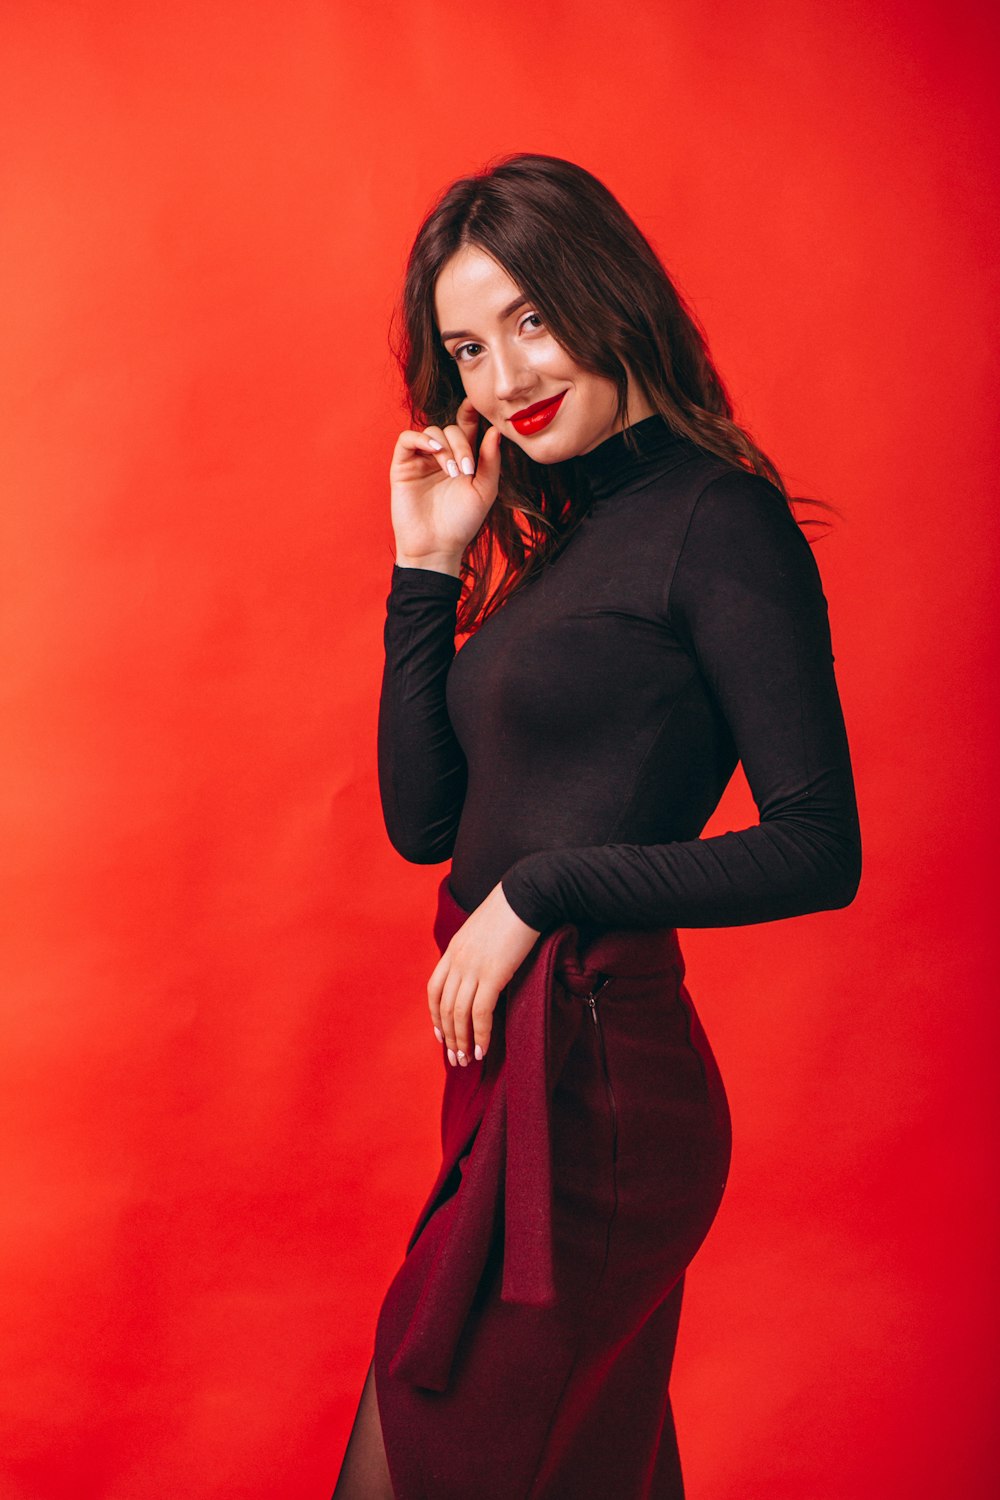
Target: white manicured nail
{"x": 468, "y": 467}
{"x": 453, "y": 468}
{"x": 435, "y": 444}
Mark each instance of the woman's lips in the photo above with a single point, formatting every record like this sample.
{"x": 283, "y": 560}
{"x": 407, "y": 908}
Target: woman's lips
{"x": 539, "y": 418}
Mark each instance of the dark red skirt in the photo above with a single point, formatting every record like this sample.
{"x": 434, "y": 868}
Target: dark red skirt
{"x": 524, "y": 1347}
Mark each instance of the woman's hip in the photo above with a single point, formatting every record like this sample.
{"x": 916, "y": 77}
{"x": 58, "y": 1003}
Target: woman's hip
{"x": 641, "y": 1132}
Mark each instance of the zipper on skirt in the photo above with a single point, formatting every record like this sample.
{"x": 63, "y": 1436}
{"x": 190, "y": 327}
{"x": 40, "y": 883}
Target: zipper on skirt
{"x": 592, "y": 1002}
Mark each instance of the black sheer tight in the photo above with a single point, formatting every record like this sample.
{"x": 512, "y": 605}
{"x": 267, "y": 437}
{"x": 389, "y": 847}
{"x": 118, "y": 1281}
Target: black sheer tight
{"x": 364, "y": 1473}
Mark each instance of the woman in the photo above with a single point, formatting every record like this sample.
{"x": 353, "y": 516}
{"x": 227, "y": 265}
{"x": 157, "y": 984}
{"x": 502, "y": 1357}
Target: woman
{"x": 644, "y": 612}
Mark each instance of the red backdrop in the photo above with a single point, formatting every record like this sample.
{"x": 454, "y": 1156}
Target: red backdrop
{"x": 219, "y": 1085}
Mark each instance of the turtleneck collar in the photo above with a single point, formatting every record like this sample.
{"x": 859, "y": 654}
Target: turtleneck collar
{"x": 613, "y": 468}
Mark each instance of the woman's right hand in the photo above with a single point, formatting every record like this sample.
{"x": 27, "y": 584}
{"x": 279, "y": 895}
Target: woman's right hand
{"x": 437, "y": 512}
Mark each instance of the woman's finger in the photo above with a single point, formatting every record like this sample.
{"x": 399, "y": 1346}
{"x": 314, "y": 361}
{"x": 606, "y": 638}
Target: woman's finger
{"x": 412, "y": 447}
{"x": 434, "y": 986}
{"x": 467, "y": 418}
{"x": 461, "y": 448}
{"x": 411, "y": 441}
{"x": 483, "y": 1008}
{"x": 450, "y": 459}
{"x": 435, "y": 989}
{"x": 448, "y": 996}
{"x": 463, "y": 1006}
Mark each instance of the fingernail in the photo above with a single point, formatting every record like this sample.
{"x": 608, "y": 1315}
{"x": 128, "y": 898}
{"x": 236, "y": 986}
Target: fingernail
{"x": 479, "y": 1053}
{"x": 468, "y": 467}
{"x": 453, "y": 468}
{"x": 463, "y": 1059}
{"x": 438, "y": 1034}
{"x": 451, "y": 1057}
{"x": 435, "y": 444}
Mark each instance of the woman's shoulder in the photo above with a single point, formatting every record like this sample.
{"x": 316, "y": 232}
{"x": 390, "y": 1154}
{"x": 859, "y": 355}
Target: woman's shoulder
{"x": 715, "y": 492}
{"x": 729, "y": 504}
{"x": 741, "y": 535}
{"x": 722, "y": 485}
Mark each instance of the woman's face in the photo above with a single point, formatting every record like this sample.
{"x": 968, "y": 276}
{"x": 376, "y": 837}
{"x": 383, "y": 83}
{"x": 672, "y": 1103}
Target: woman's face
{"x": 509, "y": 361}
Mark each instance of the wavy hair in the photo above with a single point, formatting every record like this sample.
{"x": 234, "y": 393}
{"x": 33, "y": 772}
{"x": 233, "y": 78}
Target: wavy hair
{"x": 604, "y": 294}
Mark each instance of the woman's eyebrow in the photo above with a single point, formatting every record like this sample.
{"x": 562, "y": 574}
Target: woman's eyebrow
{"x": 505, "y": 312}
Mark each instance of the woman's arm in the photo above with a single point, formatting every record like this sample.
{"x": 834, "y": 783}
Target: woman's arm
{"x": 421, "y": 766}
{"x": 747, "y": 601}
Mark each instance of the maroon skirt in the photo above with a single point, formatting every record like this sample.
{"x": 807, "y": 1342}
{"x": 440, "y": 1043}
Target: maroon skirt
{"x": 523, "y": 1349}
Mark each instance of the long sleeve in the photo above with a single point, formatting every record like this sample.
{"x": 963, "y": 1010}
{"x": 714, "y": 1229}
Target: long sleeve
{"x": 421, "y": 767}
{"x": 747, "y": 603}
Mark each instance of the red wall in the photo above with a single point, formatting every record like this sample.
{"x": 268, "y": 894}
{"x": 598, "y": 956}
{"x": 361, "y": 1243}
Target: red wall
{"x": 219, "y": 1085}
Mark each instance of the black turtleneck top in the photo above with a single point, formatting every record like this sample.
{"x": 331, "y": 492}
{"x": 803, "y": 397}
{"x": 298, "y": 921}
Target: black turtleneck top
{"x": 577, "y": 743}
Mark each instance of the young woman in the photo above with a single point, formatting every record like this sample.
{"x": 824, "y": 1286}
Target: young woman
{"x": 642, "y": 612}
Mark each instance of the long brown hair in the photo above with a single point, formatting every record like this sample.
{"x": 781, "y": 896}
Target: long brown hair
{"x": 604, "y": 294}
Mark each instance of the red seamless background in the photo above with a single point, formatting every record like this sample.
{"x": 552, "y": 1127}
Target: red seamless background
{"x": 219, "y": 1090}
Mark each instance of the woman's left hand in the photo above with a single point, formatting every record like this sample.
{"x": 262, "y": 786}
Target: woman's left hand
{"x": 481, "y": 958}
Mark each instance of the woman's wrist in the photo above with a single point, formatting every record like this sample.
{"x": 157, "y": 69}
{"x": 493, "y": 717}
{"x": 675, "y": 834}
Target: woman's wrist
{"x": 439, "y": 562}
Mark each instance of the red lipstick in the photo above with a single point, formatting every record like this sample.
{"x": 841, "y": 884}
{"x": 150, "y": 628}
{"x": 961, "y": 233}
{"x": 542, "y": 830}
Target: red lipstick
{"x": 533, "y": 418}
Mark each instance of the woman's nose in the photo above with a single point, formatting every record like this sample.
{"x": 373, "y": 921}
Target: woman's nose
{"x": 511, "y": 379}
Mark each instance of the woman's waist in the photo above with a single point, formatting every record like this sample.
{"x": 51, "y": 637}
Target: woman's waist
{"x": 587, "y": 951}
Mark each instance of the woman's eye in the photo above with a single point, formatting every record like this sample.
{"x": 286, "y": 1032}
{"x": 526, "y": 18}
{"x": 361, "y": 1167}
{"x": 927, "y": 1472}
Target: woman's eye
{"x": 459, "y": 352}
